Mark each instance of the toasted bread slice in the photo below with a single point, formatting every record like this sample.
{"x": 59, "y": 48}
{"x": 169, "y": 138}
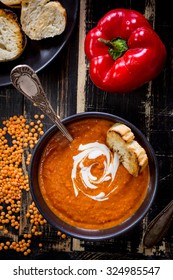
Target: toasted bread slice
{"x": 120, "y": 139}
{"x": 11, "y": 3}
{"x": 12, "y": 38}
{"x": 45, "y": 20}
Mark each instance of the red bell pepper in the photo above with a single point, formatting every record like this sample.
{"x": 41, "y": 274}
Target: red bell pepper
{"x": 124, "y": 51}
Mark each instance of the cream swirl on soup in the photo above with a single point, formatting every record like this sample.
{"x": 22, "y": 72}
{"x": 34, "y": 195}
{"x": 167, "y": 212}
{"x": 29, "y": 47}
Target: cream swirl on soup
{"x": 84, "y": 164}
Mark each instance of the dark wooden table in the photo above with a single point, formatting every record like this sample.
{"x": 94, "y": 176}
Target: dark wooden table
{"x": 70, "y": 90}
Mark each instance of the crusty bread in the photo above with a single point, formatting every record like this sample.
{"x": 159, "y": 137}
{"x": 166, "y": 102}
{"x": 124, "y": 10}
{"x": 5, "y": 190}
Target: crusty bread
{"x": 47, "y": 19}
{"x": 11, "y": 2}
{"x": 12, "y": 38}
{"x": 120, "y": 139}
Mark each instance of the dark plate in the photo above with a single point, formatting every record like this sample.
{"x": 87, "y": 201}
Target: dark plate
{"x": 38, "y": 54}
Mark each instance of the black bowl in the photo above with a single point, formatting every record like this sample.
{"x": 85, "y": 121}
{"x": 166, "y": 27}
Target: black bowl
{"x": 84, "y": 233}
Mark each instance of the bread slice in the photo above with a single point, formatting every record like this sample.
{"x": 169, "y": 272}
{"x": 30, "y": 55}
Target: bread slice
{"x": 12, "y": 38}
{"x": 11, "y": 3}
{"x": 47, "y": 19}
{"x": 121, "y": 139}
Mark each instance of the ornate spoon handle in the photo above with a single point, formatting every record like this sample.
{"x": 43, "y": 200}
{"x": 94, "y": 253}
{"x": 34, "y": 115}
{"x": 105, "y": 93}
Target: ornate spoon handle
{"x": 159, "y": 226}
{"x": 27, "y": 82}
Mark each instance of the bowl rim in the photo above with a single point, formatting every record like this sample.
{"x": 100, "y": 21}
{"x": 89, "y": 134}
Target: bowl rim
{"x": 88, "y": 234}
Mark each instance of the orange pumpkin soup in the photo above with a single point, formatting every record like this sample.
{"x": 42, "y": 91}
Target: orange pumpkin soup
{"x": 84, "y": 183}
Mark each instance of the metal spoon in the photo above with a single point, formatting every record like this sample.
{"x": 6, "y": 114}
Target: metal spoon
{"x": 158, "y": 226}
{"x": 27, "y": 82}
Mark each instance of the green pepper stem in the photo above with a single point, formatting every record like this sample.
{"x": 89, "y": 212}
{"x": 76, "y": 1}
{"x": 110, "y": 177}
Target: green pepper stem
{"x": 117, "y": 46}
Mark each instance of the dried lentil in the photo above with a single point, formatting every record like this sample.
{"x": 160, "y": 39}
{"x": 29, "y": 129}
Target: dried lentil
{"x": 17, "y": 137}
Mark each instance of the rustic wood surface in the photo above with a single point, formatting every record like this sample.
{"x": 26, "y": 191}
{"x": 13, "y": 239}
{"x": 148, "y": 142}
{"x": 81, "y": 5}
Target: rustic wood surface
{"x": 69, "y": 89}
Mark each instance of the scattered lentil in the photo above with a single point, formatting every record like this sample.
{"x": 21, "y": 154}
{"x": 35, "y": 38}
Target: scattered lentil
{"x": 62, "y": 235}
{"x": 17, "y": 139}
